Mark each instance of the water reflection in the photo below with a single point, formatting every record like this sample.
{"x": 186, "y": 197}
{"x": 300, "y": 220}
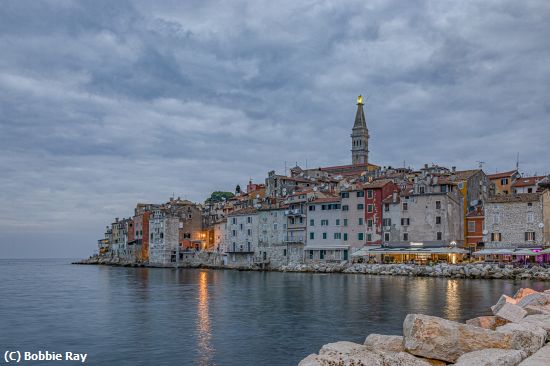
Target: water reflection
{"x": 204, "y": 336}
{"x": 452, "y": 309}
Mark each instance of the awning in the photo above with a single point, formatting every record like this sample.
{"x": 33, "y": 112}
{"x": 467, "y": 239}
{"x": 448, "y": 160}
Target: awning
{"x": 384, "y": 250}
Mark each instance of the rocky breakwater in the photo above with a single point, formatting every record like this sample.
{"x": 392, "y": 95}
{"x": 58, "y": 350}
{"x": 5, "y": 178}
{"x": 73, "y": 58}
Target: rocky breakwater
{"x": 468, "y": 270}
{"x": 516, "y": 334}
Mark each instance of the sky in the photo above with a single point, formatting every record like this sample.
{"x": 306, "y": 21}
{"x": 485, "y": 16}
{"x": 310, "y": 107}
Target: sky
{"x": 104, "y": 104}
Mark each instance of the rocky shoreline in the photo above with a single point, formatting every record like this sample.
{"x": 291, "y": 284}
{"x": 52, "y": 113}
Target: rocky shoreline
{"x": 516, "y": 334}
{"x": 466, "y": 270}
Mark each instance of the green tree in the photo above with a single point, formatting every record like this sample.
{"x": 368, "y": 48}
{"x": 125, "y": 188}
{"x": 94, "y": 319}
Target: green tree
{"x": 219, "y": 196}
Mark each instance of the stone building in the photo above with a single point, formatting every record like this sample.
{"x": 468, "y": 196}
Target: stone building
{"x": 324, "y": 233}
{"x": 242, "y": 237}
{"x": 142, "y": 213}
{"x": 520, "y": 220}
{"x": 475, "y": 224}
{"x": 424, "y": 217}
{"x": 191, "y": 235}
{"x": 526, "y": 184}
{"x": 163, "y": 237}
{"x": 273, "y": 249}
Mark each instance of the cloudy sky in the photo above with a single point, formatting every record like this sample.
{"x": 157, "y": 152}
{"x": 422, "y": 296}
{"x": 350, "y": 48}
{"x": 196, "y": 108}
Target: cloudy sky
{"x": 107, "y": 103}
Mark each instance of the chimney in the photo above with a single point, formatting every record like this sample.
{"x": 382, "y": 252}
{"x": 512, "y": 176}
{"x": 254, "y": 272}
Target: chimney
{"x": 116, "y": 219}
{"x": 425, "y": 166}
{"x": 453, "y": 169}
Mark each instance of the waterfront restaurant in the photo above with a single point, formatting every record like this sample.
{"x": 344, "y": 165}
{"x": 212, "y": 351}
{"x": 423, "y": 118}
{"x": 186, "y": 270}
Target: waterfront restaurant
{"x": 514, "y": 255}
{"x": 411, "y": 252}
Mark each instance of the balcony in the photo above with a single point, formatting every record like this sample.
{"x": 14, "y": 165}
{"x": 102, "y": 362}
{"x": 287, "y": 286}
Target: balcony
{"x": 295, "y": 240}
{"x": 294, "y": 212}
{"x": 239, "y": 250}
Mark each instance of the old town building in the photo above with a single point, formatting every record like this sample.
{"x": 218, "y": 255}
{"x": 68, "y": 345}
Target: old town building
{"x": 242, "y": 237}
{"x": 375, "y": 193}
{"x": 501, "y": 183}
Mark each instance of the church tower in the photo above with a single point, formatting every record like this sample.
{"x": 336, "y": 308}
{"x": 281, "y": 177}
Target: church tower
{"x": 360, "y": 136}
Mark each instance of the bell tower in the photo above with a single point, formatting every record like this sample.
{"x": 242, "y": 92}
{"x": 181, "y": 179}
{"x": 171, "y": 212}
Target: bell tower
{"x": 360, "y": 136}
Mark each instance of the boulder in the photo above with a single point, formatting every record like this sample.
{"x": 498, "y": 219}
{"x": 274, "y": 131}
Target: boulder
{"x": 511, "y": 312}
{"x": 487, "y": 322}
{"x": 526, "y": 336}
{"x": 537, "y": 309}
{"x": 541, "y": 320}
{"x": 353, "y": 354}
{"x": 522, "y": 292}
{"x": 504, "y": 299}
{"x": 540, "y": 358}
{"x": 385, "y": 343}
{"x": 491, "y": 357}
{"x": 534, "y": 299}
{"x": 442, "y": 339}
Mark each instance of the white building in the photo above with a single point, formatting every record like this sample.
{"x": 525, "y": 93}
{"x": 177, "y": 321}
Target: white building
{"x": 324, "y": 231}
{"x": 242, "y": 237}
{"x": 352, "y": 224}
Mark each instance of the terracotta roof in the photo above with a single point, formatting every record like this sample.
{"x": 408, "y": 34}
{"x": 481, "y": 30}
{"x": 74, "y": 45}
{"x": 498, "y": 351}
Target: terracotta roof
{"x": 296, "y": 179}
{"x": 502, "y": 175}
{"x": 244, "y": 211}
{"x": 349, "y": 166}
{"x": 378, "y": 183}
{"x": 326, "y": 199}
{"x": 511, "y": 198}
{"x": 527, "y": 181}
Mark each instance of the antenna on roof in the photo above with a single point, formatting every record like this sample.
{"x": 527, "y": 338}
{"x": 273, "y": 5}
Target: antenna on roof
{"x": 517, "y": 162}
{"x": 481, "y": 164}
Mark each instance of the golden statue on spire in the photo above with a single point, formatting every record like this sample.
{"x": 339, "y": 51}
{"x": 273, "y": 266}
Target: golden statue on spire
{"x": 360, "y": 99}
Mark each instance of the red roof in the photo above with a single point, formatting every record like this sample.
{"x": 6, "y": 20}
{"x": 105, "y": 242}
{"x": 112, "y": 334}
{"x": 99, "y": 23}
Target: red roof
{"x": 502, "y": 175}
{"x": 527, "y": 181}
{"x": 326, "y": 199}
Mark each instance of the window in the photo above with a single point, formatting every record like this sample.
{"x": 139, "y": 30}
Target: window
{"x": 496, "y": 237}
{"x": 370, "y": 208}
{"x": 241, "y": 226}
{"x": 405, "y": 236}
{"x": 324, "y": 207}
{"x": 369, "y": 223}
{"x": 233, "y": 232}
{"x": 443, "y": 189}
{"x": 345, "y": 207}
{"x": 439, "y": 235}
{"x": 311, "y": 208}
{"x": 345, "y": 222}
{"x": 438, "y": 205}
{"x": 248, "y": 232}
{"x": 421, "y": 190}
{"x": 311, "y": 236}
{"x": 386, "y": 236}
{"x": 345, "y": 236}
{"x": 337, "y": 236}
{"x": 311, "y": 254}
{"x": 234, "y": 221}
{"x": 405, "y": 206}
{"x": 322, "y": 254}
{"x": 151, "y": 236}
{"x": 405, "y": 221}
{"x": 324, "y": 235}
{"x": 438, "y": 220}
{"x": 530, "y": 217}
{"x": 360, "y": 221}
{"x": 386, "y": 207}
{"x": 311, "y": 222}
{"x": 369, "y": 193}
{"x": 162, "y": 235}
{"x": 504, "y": 181}
{"x": 284, "y": 252}
{"x": 386, "y": 222}
{"x": 530, "y": 236}
{"x": 324, "y": 222}
{"x": 360, "y": 193}
{"x": 337, "y": 222}
{"x": 496, "y": 218}
{"x": 249, "y": 220}
{"x": 529, "y": 190}
{"x": 471, "y": 226}
{"x": 369, "y": 237}
{"x": 344, "y": 194}
{"x": 360, "y": 206}
{"x": 360, "y": 236}
{"x": 530, "y": 204}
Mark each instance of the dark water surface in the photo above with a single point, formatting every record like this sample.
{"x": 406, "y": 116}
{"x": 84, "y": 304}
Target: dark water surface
{"x": 140, "y": 316}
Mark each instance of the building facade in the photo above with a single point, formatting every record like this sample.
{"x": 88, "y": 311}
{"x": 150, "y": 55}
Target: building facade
{"x": 242, "y": 237}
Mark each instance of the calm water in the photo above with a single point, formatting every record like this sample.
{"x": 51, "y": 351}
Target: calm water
{"x": 139, "y": 316}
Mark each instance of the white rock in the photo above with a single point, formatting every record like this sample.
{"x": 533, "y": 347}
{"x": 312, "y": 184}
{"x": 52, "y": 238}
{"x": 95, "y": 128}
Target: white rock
{"x": 511, "y": 312}
{"x": 385, "y": 343}
{"x": 541, "y": 320}
{"x": 491, "y": 357}
{"x": 526, "y": 336}
{"x": 540, "y": 358}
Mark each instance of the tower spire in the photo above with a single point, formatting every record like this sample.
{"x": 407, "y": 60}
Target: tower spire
{"x": 359, "y": 136}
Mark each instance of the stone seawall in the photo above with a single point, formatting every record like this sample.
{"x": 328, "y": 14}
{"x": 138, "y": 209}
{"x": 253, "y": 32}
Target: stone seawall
{"x": 465, "y": 270}
{"x": 515, "y": 335}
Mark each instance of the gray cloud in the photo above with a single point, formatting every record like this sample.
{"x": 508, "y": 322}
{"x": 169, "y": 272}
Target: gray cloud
{"x": 103, "y": 104}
